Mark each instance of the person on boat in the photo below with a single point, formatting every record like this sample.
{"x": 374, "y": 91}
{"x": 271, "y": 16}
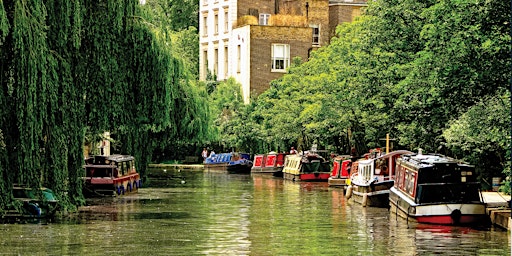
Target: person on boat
{"x": 204, "y": 154}
{"x": 212, "y": 153}
{"x": 293, "y": 151}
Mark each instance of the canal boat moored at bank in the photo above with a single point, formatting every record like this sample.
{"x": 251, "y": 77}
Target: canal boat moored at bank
{"x": 308, "y": 167}
{"x": 340, "y": 172}
{"x": 110, "y": 175}
{"x": 370, "y": 184}
{"x": 271, "y": 163}
{"x": 31, "y": 204}
{"x": 436, "y": 189}
{"x": 233, "y": 162}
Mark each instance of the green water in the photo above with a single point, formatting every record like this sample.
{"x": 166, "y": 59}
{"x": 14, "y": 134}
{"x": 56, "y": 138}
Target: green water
{"x": 222, "y": 214}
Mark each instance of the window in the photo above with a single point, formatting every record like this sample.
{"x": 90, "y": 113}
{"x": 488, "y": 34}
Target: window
{"x": 239, "y": 58}
{"x": 264, "y": 17}
{"x": 205, "y": 63}
{"x": 280, "y": 57}
{"x": 216, "y": 22}
{"x": 316, "y": 34}
{"x": 225, "y": 62}
{"x": 216, "y": 63}
{"x": 205, "y": 25}
{"x": 226, "y": 21}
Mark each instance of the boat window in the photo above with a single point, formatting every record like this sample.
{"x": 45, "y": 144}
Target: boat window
{"x": 404, "y": 178}
{"x": 123, "y": 168}
{"x": 399, "y": 177}
{"x": 128, "y": 167}
{"x": 410, "y": 183}
{"x": 408, "y": 178}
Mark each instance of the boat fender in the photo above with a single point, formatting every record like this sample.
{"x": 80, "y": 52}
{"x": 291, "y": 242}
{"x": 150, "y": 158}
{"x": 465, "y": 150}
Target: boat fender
{"x": 122, "y": 189}
{"x": 365, "y": 200}
{"x": 134, "y": 184}
{"x": 348, "y": 194}
{"x": 118, "y": 190}
{"x": 129, "y": 187}
{"x": 455, "y": 215}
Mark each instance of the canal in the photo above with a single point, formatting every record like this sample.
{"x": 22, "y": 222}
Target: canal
{"x": 204, "y": 213}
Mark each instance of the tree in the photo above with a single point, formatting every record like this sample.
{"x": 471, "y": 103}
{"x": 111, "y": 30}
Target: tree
{"x": 482, "y": 135}
{"x": 71, "y": 67}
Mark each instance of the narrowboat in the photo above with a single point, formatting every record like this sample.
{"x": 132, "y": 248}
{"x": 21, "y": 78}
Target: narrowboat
{"x": 231, "y": 162}
{"x": 370, "y": 184}
{"x": 271, "y": 163}
{"x": 340, "y": 172}
{"x": 437, "y": 189}
{"x": 309, "y": 167}
{"x": 32, "y": 204}
{"x": 110, "y": 175}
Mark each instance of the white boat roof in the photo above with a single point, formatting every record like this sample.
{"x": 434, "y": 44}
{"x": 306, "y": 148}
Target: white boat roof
{"x": 388, "y": 155}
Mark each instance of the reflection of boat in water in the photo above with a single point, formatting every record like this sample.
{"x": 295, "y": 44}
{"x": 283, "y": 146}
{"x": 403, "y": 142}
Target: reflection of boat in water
{"x": 110, "y": 175}
{"x": 31, "y": 203}
{"x": 230, "y": 162}
{"x": 340, "y": 171}
{"x": 310, "y": 167}
{"x": 436, "y": 189}
{"x": 271, "y": 163}
{"x": 370, "y": 184}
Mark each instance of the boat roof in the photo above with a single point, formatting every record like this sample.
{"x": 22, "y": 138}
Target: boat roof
{"x": 385, "y": 156}
{"x": 430, "y": 159}
{"x": 100, "y": 166}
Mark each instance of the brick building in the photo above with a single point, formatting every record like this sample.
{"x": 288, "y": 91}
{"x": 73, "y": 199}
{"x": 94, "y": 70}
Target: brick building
{"x": 254, "y": 41}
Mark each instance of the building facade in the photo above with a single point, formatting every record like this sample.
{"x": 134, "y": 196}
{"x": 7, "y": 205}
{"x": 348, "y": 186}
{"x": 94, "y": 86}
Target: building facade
{"x": 255, "y": 41}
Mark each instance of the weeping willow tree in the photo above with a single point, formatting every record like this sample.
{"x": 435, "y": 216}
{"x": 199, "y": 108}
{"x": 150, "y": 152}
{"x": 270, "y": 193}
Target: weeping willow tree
{"x": 74, "y": 66}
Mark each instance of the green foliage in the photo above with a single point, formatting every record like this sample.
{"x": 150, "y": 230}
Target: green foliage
{"x": 4, "y": 23}
{"x": 482, "y": 135}
{"x": 408, "y": 69}
{"x": 175, "y": 15}
{"x": 73, "y": 69}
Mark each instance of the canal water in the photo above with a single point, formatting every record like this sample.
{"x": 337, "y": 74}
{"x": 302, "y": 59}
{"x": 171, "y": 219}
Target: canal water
{"x": 204, "y": 213}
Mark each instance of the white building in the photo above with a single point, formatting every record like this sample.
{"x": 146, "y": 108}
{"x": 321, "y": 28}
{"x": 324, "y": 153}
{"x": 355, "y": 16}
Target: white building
{"x": 258, "y": 49}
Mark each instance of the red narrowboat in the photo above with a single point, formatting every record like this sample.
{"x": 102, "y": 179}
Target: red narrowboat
{"x": 340, "y": 171}
{"x": 110, "y": 175}
{"x": 436, "y": 189}
{"x": 271, "y": 163}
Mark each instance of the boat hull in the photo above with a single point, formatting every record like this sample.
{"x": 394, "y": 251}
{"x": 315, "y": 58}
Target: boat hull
{"x": 216, "y": 167}
{"x": 105, "y": 186}
{"x": 372, "y": 195}
{"x": 317, "y": 176}
{"x": 266, "y": 170}
{"x": 337, "y": 182}
{"x": 239, "y": 169}
{"x": 443, "y": 213}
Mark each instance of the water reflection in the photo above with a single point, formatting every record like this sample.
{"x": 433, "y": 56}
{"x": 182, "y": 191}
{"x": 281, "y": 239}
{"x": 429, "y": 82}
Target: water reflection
{"x": 220, "y": 214}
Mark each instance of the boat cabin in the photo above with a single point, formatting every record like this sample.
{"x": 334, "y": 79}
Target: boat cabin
{"x": 270, "y": 162}
{"x": 226, "y": 158}
{"x": 105, "y": 175}
{"x": 436, "y": 178}
{"x": 109, "y": 166}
